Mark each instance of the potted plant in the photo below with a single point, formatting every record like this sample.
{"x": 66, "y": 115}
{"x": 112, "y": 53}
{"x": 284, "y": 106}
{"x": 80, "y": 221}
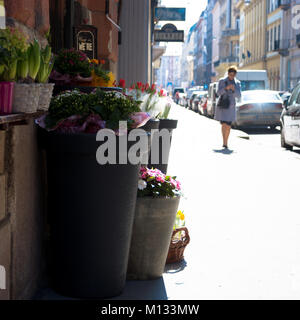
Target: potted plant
{"x": 27, "y": 91}
{"x": 180, "y": 239}
{"x": 43, "y": 75}
{"x": 90, "y": 206}
{"x": 12, "y": 46}
{"x": 158, "y": 105}
{"x": 101, "y": 77}
{"x": 156, "y": 207}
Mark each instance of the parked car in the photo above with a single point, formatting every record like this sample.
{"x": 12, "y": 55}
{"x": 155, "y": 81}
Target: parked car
{"x": 212, "y": 99}
{"x": 193, "y": 96}
{"x": 178, "y": 93}
{"x": 258, "y": 108}
{"x": 285, "y": 96}
{"x": 202, "y": 106}
{"x": 197, "y": 99}
{"x": 290, "y": 121}
{"x": 189, "y": 94}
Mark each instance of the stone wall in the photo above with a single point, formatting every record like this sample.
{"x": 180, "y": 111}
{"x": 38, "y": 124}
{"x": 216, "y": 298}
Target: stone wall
{"x": 21, "y": 214}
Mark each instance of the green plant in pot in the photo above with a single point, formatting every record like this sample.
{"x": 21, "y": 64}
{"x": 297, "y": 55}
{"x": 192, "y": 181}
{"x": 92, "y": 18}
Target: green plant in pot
{"x": 89, "y": 201}
{"x": 45, "y": 69}
{"x": 156, "y": 207}
{"x": 27, "y": 91}
{"x": 12, "y": 47}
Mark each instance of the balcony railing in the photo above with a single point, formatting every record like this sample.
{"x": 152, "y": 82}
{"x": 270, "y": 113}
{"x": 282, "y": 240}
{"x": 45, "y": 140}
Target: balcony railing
{"x": 230, "y": 33}
{"x": 229, "y": 59}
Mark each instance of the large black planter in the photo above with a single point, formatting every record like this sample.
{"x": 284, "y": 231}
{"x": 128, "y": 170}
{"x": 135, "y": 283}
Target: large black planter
{"x": 91, "y": 212}
{"x": 170, "y": 125}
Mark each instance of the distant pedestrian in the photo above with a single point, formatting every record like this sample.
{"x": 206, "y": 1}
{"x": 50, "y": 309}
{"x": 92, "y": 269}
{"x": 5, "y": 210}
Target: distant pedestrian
{"x": 229, "y": 88}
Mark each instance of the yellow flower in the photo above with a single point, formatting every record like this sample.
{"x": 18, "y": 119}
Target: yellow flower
{"x": 95, "y": 61}
{"x": 182, "y": 217}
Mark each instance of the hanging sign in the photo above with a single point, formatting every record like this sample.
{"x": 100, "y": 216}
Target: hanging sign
{"x": 169, "y": 33}
{"x": 85, "y": 40}
{"x": 170, "y": 14}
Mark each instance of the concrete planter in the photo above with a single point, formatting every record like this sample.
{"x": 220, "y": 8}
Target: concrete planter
{"x": 151, "y": 236}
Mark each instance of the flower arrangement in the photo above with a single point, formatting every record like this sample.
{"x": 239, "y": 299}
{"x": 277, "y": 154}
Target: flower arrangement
{"x": 98, "y": 72}
{"x": 154, "y": 101}
{"x": 153, "y": 183}
{"x": 71, "y": 65}
{"x": 74, "y": 111}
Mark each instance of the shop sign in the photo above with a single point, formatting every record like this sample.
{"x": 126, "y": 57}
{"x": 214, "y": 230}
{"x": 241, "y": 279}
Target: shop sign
{"x": 170, "y": 14}
{"x": 85, "y": 40}
{"x": 169, "y": 33}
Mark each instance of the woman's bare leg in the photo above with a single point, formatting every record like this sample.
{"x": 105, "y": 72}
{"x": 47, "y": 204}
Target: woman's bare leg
{"x": 224, "y": 129}
{"x": 227, "y": 132}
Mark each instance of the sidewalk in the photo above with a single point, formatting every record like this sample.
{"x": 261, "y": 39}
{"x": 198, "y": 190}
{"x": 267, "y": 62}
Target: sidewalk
{"x": 245, "y": 241}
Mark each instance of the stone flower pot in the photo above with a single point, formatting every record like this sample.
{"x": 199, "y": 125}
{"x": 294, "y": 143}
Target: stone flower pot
{"x": 26, "y": 97}
{"x": 46, "y": 90}
{"x": 152, "y": 230}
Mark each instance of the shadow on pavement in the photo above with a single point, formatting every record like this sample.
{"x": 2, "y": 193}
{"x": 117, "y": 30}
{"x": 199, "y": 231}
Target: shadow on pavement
{"x": 224, "y": 151}
{"x": 134, "y": 290}
{"x": 260, "y": 130}
{"x": 175, "y": 267}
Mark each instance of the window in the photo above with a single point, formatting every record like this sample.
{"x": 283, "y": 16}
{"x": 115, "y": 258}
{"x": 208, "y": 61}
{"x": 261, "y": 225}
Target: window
{"x": 271, "y": 40}
{"x": 295, "y": 96}
{"x": 268, "y": 40}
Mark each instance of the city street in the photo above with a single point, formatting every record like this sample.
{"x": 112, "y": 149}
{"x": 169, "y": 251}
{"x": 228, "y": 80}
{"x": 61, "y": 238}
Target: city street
{"x": 242, "y": 214}
{"x": 241, "y": 211}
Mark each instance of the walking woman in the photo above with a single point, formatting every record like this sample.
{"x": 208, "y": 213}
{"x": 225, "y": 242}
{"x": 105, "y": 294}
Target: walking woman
{"x": 229, "y": 88}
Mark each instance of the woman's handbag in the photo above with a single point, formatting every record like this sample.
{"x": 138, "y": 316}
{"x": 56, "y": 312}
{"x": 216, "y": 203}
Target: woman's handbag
{"x": 224, "y": 101}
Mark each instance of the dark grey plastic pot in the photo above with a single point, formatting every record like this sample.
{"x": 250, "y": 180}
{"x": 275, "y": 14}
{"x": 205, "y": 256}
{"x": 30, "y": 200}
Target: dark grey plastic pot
{"x": 170, "y": 125}
{"x": 152, "y": 230}
{"x": 91, "y": 212}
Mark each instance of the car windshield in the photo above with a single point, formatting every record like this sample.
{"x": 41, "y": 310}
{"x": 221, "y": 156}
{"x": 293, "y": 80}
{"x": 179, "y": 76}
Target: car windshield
{"x": 180, "y": 90}
{"x": 252, "y": 85}
{"x": 260, "y": 96}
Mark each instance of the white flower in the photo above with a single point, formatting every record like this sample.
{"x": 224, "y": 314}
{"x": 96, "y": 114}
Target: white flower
{"x": 142, "y": 184}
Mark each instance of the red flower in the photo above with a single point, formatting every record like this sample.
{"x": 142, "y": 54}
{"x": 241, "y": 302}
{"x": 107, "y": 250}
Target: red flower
{"x": 102, "y": 61}
{"x": 161, "y": 92}
{"x": 122, "y": 83}
{"x": 153, "y": 87}
{"x": 147, "y": 86}
{"x": 139, "y": 84}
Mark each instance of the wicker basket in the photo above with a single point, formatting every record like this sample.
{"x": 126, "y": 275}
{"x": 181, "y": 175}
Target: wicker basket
{"x": 26, "y": 98}
{"x": 177, "y": 247}
{"x": 45, "y": 96}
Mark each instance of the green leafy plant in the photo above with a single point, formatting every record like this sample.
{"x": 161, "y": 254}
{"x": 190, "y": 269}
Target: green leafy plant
{"x": 46, "y": 65}
{"x": 111, "y": 106}
{"x": 12, "y": 48}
